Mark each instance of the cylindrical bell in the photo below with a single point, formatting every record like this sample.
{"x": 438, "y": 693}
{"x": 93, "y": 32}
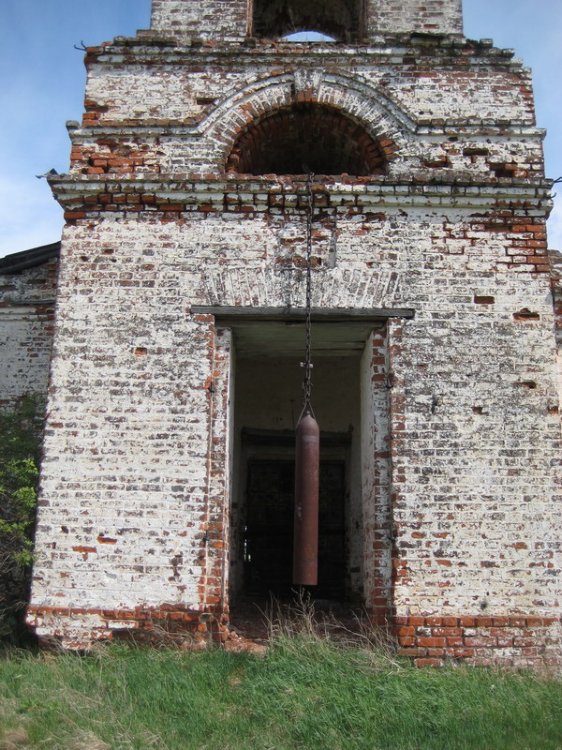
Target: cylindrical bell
{"x": 307, "y": 471}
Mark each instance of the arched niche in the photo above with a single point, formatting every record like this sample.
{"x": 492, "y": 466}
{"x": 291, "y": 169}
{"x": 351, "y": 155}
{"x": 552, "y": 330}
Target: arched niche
{"x": 306, "y": 138}
{"x": 340, "y": 19}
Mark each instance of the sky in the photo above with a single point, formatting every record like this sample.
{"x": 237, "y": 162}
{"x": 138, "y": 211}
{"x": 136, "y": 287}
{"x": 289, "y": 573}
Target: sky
{"x": 42, "y": 81}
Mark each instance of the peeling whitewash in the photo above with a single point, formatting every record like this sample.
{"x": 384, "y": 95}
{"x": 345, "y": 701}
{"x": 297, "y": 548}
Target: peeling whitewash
{"x": 454, "y": 459}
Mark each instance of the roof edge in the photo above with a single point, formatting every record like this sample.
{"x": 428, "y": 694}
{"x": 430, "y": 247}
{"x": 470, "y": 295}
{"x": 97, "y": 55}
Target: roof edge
{"x": 26, "y": 259}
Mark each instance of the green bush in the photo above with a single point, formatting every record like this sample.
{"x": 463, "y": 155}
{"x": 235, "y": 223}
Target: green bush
{"x": 19, "y": 459}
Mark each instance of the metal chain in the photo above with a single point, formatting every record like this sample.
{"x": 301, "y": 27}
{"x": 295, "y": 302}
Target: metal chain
{"x": 307, "y": 364}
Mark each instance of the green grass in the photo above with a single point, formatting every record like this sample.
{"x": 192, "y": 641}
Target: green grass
{"x": 303, "y": 694}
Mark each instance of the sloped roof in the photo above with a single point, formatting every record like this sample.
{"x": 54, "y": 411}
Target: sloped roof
{"x": 36, "y": 256}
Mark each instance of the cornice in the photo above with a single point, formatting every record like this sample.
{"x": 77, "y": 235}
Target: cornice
{"x": 400, "y": 49}
{"x": 172, "y": 194}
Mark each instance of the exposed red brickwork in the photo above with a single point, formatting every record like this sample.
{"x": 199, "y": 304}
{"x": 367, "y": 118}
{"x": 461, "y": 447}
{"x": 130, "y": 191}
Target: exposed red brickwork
{"x": 138, "y": 615}
{"x": 111, "y": 157}
{"x": 523, "y": 244}
{"x": 517, "y": 641}
{"x": 151, "y": 624}
{"x": 555, "y": 257}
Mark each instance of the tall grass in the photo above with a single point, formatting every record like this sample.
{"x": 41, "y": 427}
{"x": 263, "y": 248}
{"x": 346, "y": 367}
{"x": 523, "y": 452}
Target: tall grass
{"x": 306, "y": 693}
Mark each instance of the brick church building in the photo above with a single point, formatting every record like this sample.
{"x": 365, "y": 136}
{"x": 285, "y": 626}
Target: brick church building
{"x": 175, "y": 380}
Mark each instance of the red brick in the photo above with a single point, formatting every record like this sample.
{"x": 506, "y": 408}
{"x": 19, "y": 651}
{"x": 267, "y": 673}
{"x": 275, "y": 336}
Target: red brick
{"x": 411, "y": 651}
{"x": 451, "y": 622}
{"x": 479, "y": 641}
{"x": 416, "y": 621}
{"x": 447, "y": 632}
{"x": 406, "y": 630}
{"x": 484, "y": 622}
{"x": 431, "y": 621}
{"x": 424, "y": 662}
{"x": 431, "y": 642}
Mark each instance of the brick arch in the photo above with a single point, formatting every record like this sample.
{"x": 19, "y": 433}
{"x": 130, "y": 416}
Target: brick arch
{"x": 359, "y": 100}
{"x": 306, "y": 137}
{"x": 341, "y": 19}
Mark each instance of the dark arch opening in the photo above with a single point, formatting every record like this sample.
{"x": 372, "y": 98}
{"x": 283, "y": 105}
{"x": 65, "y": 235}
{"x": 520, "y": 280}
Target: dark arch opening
{"x": 306, "y": 138}
{"x": 340, "y": 19}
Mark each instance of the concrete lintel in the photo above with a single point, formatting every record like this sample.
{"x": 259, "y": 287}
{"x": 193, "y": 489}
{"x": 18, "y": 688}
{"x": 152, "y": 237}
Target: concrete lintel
{"x": 298, "y": 313}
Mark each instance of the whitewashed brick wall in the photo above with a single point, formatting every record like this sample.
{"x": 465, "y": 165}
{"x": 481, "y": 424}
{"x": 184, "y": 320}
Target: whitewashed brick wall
{"x": 466, "y": 472}
{"x": 26, "y": 332}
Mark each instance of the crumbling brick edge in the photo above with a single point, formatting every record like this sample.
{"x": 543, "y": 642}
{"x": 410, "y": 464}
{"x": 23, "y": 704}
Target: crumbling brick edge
{"x": 76, "y": 628}
{"x": 513, "y": 641}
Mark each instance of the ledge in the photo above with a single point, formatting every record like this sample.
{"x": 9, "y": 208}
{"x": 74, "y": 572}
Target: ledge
{"x": 180, "y": 195}
{"x": 332, "y": 315}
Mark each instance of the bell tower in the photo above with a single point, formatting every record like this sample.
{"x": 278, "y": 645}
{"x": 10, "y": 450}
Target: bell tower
{"x": 215, "y": 151}
{"x": 346, "y": 20}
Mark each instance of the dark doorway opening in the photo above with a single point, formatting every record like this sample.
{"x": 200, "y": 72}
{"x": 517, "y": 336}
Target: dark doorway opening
{"x": 266, "y": 400}
{"x": 268, "y": 530}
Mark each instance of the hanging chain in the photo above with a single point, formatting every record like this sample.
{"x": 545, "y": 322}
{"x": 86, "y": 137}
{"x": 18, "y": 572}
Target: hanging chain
{"x": 307, "y": 364}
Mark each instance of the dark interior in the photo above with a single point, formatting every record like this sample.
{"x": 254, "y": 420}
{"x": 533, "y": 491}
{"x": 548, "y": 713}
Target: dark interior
{"x": 268, "y": 529}
{"x": 340, "y": 19}
{"x": 306, "y": 138}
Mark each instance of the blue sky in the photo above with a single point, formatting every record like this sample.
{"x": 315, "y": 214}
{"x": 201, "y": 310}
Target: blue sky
{"x": 43, "y": 84}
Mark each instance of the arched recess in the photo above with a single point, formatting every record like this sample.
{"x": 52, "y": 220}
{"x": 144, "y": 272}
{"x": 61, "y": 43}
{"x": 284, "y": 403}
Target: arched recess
{"x": 340, "y": 19}
{"x": 304, "y": 138}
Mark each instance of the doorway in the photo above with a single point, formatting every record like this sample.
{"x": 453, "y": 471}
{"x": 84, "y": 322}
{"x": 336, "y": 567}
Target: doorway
{"x": 257, "y": 388}
{"x": 267, "y": 403}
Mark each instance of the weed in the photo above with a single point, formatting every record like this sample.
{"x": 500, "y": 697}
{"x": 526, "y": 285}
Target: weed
{"x": 305, "y": 622}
